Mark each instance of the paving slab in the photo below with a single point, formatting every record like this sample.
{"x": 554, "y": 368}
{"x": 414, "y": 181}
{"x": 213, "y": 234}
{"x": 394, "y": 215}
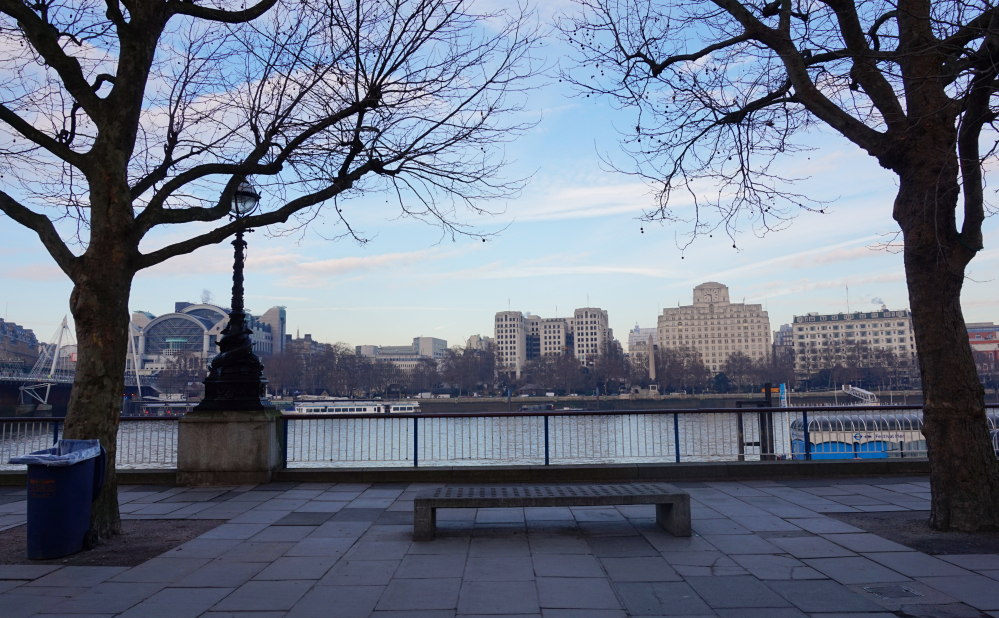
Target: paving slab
{"x": 360, "y": 573}
{"x": 24, "y": 605}
{"x": 766, "y": 567}
{"x": 557, "y": 544}
{"x": 378, "y": 550}
{"x": 249, "y": 551}
{"x": 973, "y": 562}
{"x": 735, "y": 592}
{"x": 865, "y": 542}
{"x": 916, "y": 564}
{"x": 177, "y": 603}
{"x": 219, "y": 574}
{"x": 411, "y": 594}
{"x": 822, "y": 596}
{"x": 202, "y": 548}
{"x": 567, "y": 565}
{"x": 576, "y": 592}
{"x": 855, "y": 570}
{"x": 82, "y": 576}
{"x": 512, "y": 546}
{"x": 483, "y": 598}
{"x": 296, "y": 568}
{"x": 977, "y": 591}
{"x": 499, "y": 568}
{"x": 662, "y": 599}
{"x": 582, "y": 613}
{"x": 823, "y": 525}
{"x": 734, "y": 544}
{"x": 26, "y": 571}
{"x": 337, "y": 602}
{"x": 639, "y": 569}
{"x": 107, "y": 598}
{"x": 279, "y": 534}
{"x": 166, "y": 570}
{"x": 811, "y": 547}
{"x": 621, "y": 546}
{"x": 231, "y": 531}
{"x": 425, "y": 566}
{"x": 264, "y": 596}
{"x": 717, "y": 526}
{"x": 332, "y": 529}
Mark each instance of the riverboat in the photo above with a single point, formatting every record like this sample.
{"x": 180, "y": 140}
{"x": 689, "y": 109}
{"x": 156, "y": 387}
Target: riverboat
{"x": 347, "y": 406}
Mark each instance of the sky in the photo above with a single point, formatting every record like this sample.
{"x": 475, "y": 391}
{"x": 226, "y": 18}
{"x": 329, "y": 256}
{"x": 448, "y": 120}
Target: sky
{"x": 573, "y": 238}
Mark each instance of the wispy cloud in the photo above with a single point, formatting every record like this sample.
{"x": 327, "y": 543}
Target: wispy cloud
{"x": 34, "y": 272}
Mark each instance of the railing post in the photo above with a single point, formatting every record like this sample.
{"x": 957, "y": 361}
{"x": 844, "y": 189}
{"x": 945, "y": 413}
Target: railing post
{"x": 546, "y": 439}
{"x": 416, "y": 442}
{"x": 284, "y": 442}
{"x": 676, "y": 435}
{"x": 808, "y": 441}
{"x": 55, "y": 431}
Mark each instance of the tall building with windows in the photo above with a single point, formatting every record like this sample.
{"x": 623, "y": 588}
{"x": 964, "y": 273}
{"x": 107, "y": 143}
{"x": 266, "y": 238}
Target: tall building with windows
{"x": 716, "y": 327}
{"x": 825, "y": 340}
{"x": 520, "y": 337}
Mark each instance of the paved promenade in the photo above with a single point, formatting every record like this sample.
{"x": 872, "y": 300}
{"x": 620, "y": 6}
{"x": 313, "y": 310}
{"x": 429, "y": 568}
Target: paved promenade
{"x": 289, "y": 550}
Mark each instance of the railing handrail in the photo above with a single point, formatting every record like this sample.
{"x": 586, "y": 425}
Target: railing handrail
{"x": 61, "y": 419}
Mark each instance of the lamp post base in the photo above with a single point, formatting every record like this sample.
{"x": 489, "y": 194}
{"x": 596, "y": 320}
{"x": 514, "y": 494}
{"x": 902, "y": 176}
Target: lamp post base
{"x": 229, "y": 447}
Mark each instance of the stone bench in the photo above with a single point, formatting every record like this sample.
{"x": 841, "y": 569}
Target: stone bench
{"x": 672, "y": 504}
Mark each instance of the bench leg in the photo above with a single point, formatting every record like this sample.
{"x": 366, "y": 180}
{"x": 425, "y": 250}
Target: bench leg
{"x": 674, "y": 517}
{"x": 424, "y": 522}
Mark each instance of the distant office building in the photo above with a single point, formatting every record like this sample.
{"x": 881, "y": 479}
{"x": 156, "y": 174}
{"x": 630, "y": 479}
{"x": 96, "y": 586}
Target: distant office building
{"x": 822, "y": 340}
{"x": 520, "y": 337}
{"x": 983, "y": 336}
{"x": 783, "y": 346}
{"x": 478, "y": 342}
{"x": 406, "y": 357}
{"x": 18, "y": 346}
{"x": 716, "y": 327}
{"x": 195, "y": 329}
{"x": 302, "y": 346}
{"x": 639, "y": 345}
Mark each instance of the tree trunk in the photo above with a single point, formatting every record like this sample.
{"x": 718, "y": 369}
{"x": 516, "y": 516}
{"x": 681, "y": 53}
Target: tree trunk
{"x": 964, "y": 472}
{"x": 99, "y": 304}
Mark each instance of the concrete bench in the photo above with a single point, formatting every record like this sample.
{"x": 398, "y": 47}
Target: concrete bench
{"x": 672, "y": 504}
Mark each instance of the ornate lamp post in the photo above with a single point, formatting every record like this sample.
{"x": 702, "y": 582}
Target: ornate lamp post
{"x": 235, "y": 380}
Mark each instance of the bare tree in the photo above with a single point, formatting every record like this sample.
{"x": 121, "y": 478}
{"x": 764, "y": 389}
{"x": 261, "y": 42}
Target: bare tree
{"x": 740, "y": 370}
{"x": 119, "y": 119}
{"x": 722, "y": 89}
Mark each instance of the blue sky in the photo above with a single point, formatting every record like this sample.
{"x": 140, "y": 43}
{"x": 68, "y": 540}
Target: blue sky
{"x": 572, "y": 239}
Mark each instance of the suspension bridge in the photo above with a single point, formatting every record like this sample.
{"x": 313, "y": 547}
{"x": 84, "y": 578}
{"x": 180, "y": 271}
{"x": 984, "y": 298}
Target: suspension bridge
{"x": 56, "y": 365}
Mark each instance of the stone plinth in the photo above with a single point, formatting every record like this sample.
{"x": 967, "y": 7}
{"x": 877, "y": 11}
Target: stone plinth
{"x": 228, "y": 448}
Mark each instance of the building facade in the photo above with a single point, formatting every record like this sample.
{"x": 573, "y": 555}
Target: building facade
{"x": 826, "y": 340}
{"x": 478, "y": 342}
{"x": 193, "y": 330}
{"x": 19, "y": 348}
{"x": 783, "y": 346}
{"x": 984, "y": 337}
{"x": 520, "y": 337}
{"x": 716, "y": 327}
{"x": 638, "y": 343}
{"x": 406, "y": 357}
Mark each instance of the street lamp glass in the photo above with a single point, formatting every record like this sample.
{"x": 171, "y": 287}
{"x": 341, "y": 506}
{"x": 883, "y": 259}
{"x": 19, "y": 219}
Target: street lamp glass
{"x": 246, "y": 199}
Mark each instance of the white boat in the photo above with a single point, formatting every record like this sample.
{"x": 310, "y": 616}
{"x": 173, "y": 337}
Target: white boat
{"x": 346, "y": 406}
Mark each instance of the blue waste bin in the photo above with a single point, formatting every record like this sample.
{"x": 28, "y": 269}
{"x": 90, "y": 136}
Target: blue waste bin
{"x": 63, "y": 481}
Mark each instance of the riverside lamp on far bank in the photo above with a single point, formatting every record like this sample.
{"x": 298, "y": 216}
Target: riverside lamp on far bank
{"x": 232, "y": 436}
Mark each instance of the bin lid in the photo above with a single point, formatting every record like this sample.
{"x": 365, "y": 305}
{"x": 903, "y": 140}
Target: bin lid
{"x": 63, "y": 453}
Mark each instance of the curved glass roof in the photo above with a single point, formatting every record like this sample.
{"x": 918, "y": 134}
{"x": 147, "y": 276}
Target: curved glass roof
{"x": 175, "y": 334}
